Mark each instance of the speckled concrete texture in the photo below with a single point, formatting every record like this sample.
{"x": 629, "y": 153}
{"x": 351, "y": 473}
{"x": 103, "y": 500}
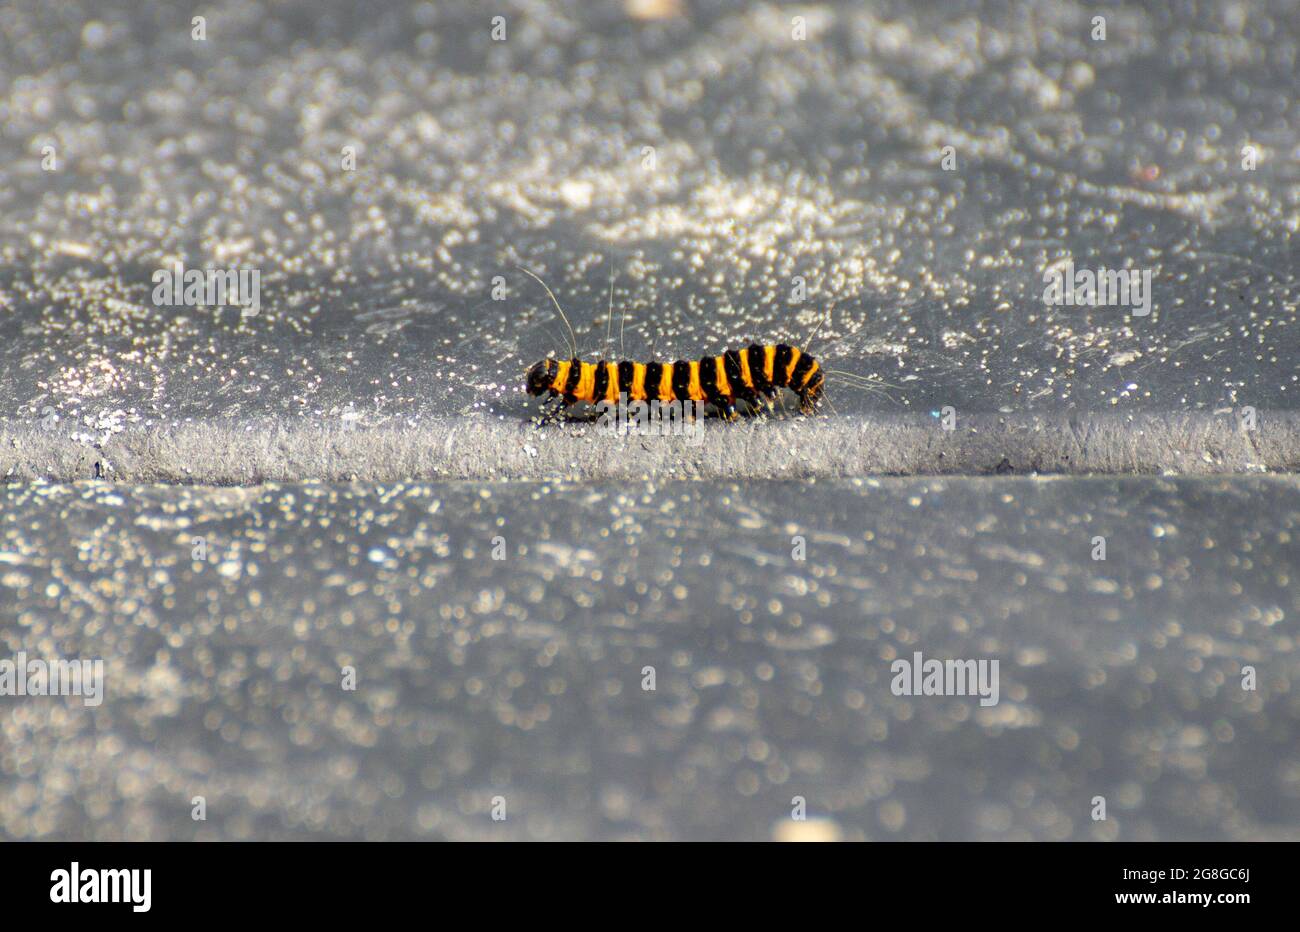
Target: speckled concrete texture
{"x": 523, "y": 677}
{"x": 687, "y": 176}
{"x": 739, "y": 183}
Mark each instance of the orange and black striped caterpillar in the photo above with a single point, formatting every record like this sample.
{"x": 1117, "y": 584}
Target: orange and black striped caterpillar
{"x": 752, "y": 375}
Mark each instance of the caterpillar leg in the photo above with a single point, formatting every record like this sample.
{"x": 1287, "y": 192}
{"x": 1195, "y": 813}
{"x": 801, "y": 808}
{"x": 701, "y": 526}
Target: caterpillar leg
{"x": 562, "y": 404}
{"x": 761, "y": 407}
{"x": 750, "y": 398}
{"x": 810, "y": 397}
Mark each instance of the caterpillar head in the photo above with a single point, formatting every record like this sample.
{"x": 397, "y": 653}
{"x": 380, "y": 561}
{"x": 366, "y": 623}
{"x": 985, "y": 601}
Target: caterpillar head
{"x": 540, "y": 377}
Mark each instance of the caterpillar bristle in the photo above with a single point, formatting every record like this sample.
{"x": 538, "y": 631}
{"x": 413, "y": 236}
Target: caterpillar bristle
{"x": 573, "y": 340}
{"x": 873, "y": 386}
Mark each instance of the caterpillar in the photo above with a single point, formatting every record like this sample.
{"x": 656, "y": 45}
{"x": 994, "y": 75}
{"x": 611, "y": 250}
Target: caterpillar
{"x": 751, "y": 375}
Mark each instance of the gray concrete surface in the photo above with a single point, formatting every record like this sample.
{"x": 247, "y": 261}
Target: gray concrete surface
{"x": 778, "y": 164}
{"x": 240, "y": 452}
{"x": 522, "y": 677}
{"x": 739, "y": 182}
